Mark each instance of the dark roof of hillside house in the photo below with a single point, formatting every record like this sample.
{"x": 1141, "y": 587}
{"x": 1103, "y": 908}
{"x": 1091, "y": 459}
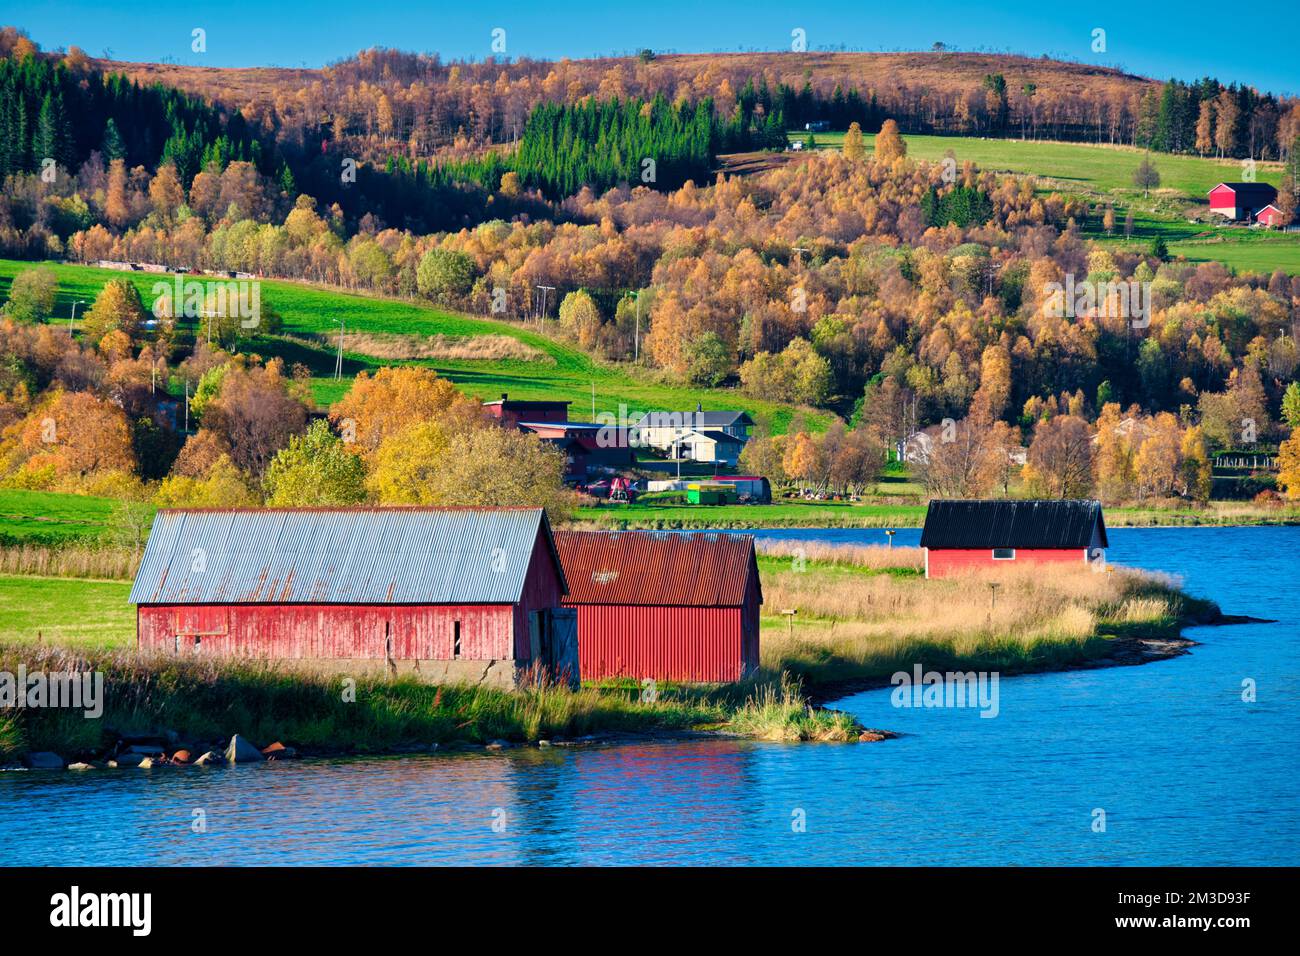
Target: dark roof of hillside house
{"x": 722, "y": 438}
{"x": 401, "y": 555}
{"x": 1012, "y": 524}
{"x": 695, "y": 419}
{"x": 649, "y": 567}
{"x": 1260, "y": 193}
{"x": 506, "y": 400}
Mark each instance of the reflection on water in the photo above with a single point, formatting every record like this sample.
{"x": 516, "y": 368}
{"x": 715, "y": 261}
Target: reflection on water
{"x": 1186, "y": 772}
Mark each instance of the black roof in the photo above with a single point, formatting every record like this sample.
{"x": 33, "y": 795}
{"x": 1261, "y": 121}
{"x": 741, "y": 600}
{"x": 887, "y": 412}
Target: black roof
{"x": 696, "y": 419}
{"x": 1012, "y": 524}
{"x": 1256, "y": 191}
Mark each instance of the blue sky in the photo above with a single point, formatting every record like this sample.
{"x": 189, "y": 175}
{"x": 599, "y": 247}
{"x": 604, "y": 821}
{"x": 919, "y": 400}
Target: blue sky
{"x": 1140, "y": 38}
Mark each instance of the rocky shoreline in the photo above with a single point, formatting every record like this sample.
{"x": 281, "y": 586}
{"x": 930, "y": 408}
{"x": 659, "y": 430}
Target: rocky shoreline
{"x": 167, "y": 751}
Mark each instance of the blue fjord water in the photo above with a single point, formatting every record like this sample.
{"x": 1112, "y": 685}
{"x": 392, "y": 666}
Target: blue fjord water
{"x": 1186, "y": 772}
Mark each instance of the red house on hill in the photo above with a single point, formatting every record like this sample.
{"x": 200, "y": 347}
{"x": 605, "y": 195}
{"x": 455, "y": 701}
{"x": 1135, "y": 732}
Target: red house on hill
{"x": 511, "y": 411}
{"x": 673, "y": 607}
{"x": 963, "y": 536}
{"x": 1241, "y": 202}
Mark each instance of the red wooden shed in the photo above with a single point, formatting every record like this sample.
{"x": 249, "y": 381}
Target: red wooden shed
{"x": 451, "y": 594}
{"x": 673, "y": 607}
{"x": 1270, "y": 216}
{"x": 964, "y": 536}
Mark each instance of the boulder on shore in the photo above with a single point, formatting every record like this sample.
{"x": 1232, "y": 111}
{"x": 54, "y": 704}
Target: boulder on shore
{"x": 126, "y": 760}
{"x": 212, "y": 758}
{"x": 81, "y": 765}
{"x": 239, "y": 750}
{"x": 278, "y": 751}
{"x": 45, "y": 760}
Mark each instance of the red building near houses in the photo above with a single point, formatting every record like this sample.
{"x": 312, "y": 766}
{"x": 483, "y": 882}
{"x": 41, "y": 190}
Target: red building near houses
{"x": 1241, "y": 202}
{"x": 1270, "y": 216}
{"x": 453, "y": 594}
{"x": 510, "y": 411}
{"x": 672, "y": 607}
{"x": 964, "y": 536}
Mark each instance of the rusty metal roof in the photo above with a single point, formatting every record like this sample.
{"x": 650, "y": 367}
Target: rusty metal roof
{"x": 1012, "y": 524}
{"x": 340, "y": 556}
{"x": 644, "y": 567}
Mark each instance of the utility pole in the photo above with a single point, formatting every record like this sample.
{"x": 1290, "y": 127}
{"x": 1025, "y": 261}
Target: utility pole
{"x": 338, "y": 362}
{"x": 546, "y": 289}
{"x": 74, "y": 315}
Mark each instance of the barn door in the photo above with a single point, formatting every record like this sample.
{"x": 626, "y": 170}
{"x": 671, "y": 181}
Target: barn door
{"x": 564, "y": 645}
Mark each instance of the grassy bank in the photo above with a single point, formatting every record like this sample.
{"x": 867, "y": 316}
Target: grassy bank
{"x": 200, "y": 703}
{"x": 863, "y": 613}
{"x": 866, "y": 613}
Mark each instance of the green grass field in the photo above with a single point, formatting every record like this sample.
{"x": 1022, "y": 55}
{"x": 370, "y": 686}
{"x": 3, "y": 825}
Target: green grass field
{"x": 569, "y": 374}
{"x": 782, "y": 514}
{"x": 50, "y": 518}
{"x": 1083, "y": 165}
{"x": 1104, "y": 174}
{"x": 66, "y": 611}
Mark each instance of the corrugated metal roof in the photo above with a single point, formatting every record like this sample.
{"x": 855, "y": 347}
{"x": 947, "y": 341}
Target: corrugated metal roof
{"x": 645, "y": 567}
{"x": 340, "y": 556}
{"x": 1012, "y": 524}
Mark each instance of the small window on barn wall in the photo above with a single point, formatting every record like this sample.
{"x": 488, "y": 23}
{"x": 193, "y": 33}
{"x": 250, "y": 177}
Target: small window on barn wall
{"x": 455, "y": 639}
{"x": 1004, "y": 554}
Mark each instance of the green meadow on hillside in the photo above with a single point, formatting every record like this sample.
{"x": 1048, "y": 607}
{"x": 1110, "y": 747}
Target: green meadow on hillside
{"x": 1104, "y": 174}
{"x": 560, "y": 371}
{"x": 51, "y": 518}
{"x": 1087, "y": 166}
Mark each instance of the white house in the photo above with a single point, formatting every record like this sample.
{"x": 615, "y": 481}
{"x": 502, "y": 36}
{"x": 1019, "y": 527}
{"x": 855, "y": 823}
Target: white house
{"x": 697, "y": 435}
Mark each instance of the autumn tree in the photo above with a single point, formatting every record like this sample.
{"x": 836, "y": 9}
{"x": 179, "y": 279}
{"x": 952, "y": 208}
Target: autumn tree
{"x": 1112, "y": 460}
{"x": 484, "y": 467}
{"x": 1288, "y": 465}
{"x": 256, "y": 413}
{"x": 890, "y": 144}
{"x": 1205, "y": 127}
{"x": 990, "y": 400}
{"x": 315, "y": 468}
{"x": 380, "y": 405}
{"x": 220, "y": 485}
{"x": 853, "y": 147}
{"x": 32, "y": 295}
{"x": 1146, "y": 177}
{"x": 1291, "y": 405}
{"x": 960, "y": 461}
{"x": 1196, "y": 471}
{"x": 117, "y": 307}
{"x": 444, "y": 274}
{"x": 580, "y": 318}
{"x": 1060, "y": 457}
{"x": 1157, "y": 463}
{"x": 72, "y": 436}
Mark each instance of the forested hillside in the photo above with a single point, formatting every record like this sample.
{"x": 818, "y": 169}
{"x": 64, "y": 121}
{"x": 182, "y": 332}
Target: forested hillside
{"x": 900, "y": 294}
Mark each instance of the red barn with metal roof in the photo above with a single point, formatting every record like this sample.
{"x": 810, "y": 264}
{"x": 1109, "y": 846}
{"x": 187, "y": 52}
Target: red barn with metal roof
{"x": 672, "y": 607}
{"x": 448, "y": 594}
{"x": 962, "y": 536}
